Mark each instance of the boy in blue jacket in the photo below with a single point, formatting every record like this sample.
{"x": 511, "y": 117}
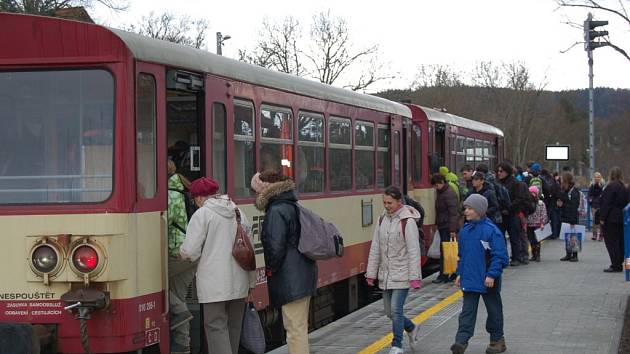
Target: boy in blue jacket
{"x": 482, "y": 257}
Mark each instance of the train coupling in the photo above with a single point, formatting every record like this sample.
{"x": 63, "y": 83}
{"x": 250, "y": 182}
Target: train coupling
{"x": 84, "y": 301}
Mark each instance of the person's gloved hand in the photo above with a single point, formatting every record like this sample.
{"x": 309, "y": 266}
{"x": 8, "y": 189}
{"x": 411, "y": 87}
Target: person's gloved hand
{"x": 416, "y": 284}
{"x": 370, "y": 281}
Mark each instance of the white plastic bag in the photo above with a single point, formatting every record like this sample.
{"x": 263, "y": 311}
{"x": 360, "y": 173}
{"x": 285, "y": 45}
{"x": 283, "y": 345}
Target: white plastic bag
{"x": 435, "y": 250}
{"x": 543, "y": 233}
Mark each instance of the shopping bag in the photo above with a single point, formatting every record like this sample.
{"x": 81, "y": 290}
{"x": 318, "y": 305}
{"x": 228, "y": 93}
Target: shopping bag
{"x": 252, "y": 333}
{"x": 567, "y": 228}
{"x": 434, "y": 250}
{"x": 450, "y": 256}
{"x": 543, "y": 233}
{"x": 573, "y": 237}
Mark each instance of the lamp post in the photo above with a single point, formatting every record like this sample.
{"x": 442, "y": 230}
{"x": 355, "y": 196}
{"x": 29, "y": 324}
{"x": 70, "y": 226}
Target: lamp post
{"x": 220, "y": 40}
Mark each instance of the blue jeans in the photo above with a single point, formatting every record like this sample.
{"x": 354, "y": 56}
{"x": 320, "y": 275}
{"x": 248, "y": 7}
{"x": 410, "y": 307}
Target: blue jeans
{"x": 468, "y": 317}
{"x": 394, "y": 300}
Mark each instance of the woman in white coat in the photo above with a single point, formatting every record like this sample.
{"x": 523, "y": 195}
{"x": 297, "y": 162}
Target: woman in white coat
{"x": 395, "y": 261}
{"x": 222, "y": 285}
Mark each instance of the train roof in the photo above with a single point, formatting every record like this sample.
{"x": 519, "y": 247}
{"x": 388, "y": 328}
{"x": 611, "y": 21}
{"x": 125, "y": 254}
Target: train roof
{"x": 451, "y": 119}
{"x": 189, "y": 58}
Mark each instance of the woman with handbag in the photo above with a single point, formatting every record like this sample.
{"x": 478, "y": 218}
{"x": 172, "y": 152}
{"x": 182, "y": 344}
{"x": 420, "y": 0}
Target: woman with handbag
{"x": 222, "y": 283}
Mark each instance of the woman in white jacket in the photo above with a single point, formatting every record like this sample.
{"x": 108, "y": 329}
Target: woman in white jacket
{"x": 395, "y": 261}
{"x": 222, "y": 285}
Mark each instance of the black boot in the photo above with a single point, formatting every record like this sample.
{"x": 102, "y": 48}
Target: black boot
{"x": 574, "y": 257}
{"x": 567, "y": 257}
{"x": 537, "y": 253}
{"x": 533, "y": 257}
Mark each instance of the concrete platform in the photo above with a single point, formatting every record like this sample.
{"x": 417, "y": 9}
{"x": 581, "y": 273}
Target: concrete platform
{"x": 549, "y": 307}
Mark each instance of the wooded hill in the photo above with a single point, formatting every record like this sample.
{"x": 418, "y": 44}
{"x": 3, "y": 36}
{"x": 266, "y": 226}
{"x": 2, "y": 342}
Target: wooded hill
{"x": 531, "y": 119}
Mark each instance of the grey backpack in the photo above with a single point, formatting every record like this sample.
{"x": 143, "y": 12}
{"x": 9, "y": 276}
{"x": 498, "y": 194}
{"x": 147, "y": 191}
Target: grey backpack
{"x": 319, "y": 239}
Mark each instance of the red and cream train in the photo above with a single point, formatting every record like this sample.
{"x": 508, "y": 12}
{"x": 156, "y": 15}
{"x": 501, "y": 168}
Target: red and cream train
{"x": 87, "y": 116}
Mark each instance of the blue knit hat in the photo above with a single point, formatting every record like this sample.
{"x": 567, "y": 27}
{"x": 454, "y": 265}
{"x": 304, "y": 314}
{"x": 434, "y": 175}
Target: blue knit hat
{"x": 535, "y": 167}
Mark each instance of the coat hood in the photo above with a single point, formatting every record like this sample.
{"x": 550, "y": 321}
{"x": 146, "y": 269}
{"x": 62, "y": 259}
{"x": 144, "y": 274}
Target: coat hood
{"x": 406, "y": 212}
{"x": 274, "y": 190}
{"x": 222, "y": 205}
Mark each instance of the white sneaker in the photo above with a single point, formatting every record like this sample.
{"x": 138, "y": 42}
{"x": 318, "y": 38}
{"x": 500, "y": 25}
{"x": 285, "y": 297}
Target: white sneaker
{"x": 413, "y": 335}
{"x": 396, "y": 350}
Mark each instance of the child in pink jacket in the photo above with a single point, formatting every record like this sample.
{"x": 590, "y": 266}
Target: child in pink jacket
{"x": 537, "y": 220}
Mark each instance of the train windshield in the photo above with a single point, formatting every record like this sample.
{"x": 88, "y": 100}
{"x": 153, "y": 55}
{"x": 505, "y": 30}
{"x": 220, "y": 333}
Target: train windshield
{"x": 57, "y": 136}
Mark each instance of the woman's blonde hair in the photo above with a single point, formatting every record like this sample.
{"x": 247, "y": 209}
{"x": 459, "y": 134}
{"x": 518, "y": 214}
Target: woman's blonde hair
{"x": 601, "y": 178}
{"x": 172, "y": 169}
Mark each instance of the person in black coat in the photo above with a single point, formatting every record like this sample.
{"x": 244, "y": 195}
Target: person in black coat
{"x": 480, "y": 186}
{"x": 569, "y": 203}
{"x": 594, "y": 200}
{"x": 291, "y": 276}
{"x": 614, "y": 199}
{"x": 512, "y": 222}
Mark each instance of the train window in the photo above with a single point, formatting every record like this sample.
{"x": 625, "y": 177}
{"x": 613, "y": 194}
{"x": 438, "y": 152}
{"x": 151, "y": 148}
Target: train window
{"x": 470, "y": 151}
{"x": 460, "y": 151}
{"x": 340, "y": 153}
{"x": 486, "y": 152}
{"x": 478, "y": 151}
{"x": 276, "y": 153}
{"x": 219, "y": 147}
{"x": 145, "y": 136}
{"x": 396, "y": 158}
{"x": 244, "y": 148}
{"x": 383, "y": 160}
{"x": 57, "y": 136}
{"x": 416, "y": 154}
{"x": 310, "y": 167}
{"x": 364, "y": 154}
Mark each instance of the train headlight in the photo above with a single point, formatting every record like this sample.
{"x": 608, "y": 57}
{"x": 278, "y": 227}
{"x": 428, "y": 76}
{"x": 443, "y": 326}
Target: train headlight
{"x": 45, "y": 259}
{"x": 85, "y": 258}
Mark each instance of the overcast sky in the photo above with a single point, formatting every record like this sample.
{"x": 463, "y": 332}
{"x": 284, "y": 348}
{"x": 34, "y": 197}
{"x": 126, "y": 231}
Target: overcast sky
{"x": 458, "y": 33}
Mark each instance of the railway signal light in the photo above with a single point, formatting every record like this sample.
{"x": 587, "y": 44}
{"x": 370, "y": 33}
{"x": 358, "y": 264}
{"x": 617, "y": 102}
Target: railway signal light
{"x": 85, "y": 258}
{"x": 590, "y": 34}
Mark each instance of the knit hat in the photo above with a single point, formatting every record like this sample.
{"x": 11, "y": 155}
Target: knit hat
{"x": 257, "y": 184}
{"x": 535, "y": 167}
{"x": 478, "y": 203}
{"x": 444, "y": 171}
{"x": 533, "y": 190}
{"x": 203, "y": 186}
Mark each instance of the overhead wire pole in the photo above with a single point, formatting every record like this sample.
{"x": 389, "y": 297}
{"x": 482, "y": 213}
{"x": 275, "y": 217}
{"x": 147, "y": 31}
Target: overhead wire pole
{"x": 589, "y": 46}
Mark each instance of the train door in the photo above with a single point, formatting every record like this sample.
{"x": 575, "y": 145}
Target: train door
{"x": 397, "y": 150}
{"x": 185, "y": 122}
{"x": 186, "y": 142}
{"x": 406, "y": 154}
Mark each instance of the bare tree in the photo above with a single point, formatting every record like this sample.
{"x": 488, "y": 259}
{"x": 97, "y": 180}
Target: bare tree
{"x": 437, "y": 76}
{"x": 329, "y": 56}
{"x": 277, "y": 47}
{"x": 332, "y": 52}
{"x": 172, "y": 28}
{"x": 49, "y": 7}
{"x": 619, "y": 11}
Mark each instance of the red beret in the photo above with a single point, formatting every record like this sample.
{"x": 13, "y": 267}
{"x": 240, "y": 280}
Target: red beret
{"x": 203, "y": 186}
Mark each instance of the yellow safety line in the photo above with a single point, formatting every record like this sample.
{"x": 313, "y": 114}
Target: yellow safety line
{"x": 425, "y": 315}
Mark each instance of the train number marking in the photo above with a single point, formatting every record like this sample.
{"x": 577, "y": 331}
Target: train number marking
{"x": 152, "y": 336}
{"x": 147, "y": 306}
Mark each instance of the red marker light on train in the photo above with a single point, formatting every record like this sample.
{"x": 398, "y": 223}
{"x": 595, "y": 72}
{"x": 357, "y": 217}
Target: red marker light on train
{"x": 85, "y": 258}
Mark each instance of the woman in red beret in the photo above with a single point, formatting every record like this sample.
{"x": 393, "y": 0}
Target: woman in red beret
{"x": 222, "y": 285}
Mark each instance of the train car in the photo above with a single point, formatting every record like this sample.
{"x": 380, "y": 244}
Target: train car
{"x": 90, "y": 116}
{"x": 437, "y": 138}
